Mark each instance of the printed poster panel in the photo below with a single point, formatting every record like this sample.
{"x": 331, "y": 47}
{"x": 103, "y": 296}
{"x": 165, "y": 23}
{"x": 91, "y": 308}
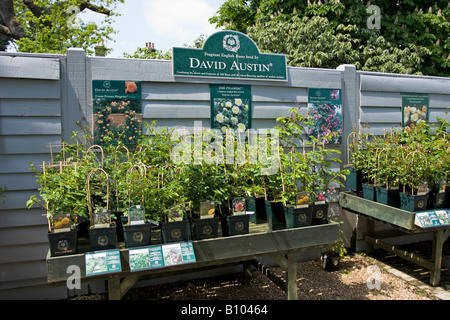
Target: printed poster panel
{"x": 117, "y": 112}
{"x": 101, "y": 262}
{"x": 231, "y": 107}
{"x": 433, "y": 218}
{"x": 161, "y": 256}
{"x": 414, "y": 109}
{"x": 325, "y": 113}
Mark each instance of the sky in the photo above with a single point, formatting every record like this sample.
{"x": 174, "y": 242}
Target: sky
{"x": 166, "y": 23}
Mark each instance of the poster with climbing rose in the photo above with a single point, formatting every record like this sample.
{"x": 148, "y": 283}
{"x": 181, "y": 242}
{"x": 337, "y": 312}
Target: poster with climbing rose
{"x": 117, "y": 112}
{"x": 231, "y": 107}
{"x": 325, "y": 114}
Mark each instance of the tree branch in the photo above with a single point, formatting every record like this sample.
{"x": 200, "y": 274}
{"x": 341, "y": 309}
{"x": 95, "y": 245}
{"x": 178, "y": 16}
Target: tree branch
{"x": 86, "y": 4}
{"x": 5, "y": 30}
{"x": 10, "y": 21}
{"x": 35, "y": 9}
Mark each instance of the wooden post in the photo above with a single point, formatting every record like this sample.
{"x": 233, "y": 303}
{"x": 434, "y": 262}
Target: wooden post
{"x": 114, "y": 288}
{"x": 291, "y": 276}
{"x": 370, "y": 232}
{"x": 438, "y": 242}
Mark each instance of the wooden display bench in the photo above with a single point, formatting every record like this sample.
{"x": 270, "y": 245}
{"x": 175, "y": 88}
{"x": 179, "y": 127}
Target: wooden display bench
{"x": 401, "y": 220}
{"x": 281, "y": 246}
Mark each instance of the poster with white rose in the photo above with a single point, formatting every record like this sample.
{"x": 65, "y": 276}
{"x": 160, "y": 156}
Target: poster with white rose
{"x": 230, "y": 107}
{"x": 414, "y": 109}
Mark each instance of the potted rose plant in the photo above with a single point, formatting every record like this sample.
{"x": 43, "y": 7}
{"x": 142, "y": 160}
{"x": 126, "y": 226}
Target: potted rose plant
{"x": 62, "y": 194}
{"x": 387, "y": 175}
{"x": 414, "y": 178}
{"x": 137, "y": 232}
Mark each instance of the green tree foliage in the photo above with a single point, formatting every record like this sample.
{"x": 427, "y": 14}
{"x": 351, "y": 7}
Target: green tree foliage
{"x": 52, "y": 26}
{"x": 413, "y": 35}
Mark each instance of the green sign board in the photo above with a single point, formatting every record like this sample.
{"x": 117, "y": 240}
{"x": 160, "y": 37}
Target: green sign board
{"x": 229, "y": 54}
{"x": 101, "y": 262}
{"x": 161, "y": 256}
{"x": 433, "y": 218}
{"x": 231, "y": 107}
{"x": 414, "y": 109}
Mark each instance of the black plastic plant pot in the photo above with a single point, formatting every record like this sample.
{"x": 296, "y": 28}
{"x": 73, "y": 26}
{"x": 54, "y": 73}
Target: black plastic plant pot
{"x": 436, "y": 200}
{"x": 413, "y": 203}
{"x": 330, "y": 262}
{"x": 176, "y": 231}
{"x": 275, "y": 215}
{"x": 297, "y": 217}
{"x": 137, "y": 235}
{"x": 205, "y": 228}
{"x": 258, "y": 206}
{"x": 237, "y": 225}
{"x": 319, "y": 213}
{"x": 354, "y": 180}
{"x": 62, "y": 243}
{"x": 390, "y": 197}
{"x": 369, "y": 192}
{"x": 103, "y": 238}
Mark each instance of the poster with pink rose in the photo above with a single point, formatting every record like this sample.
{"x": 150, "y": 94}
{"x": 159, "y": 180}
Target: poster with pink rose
{"x": 325, "y": 115}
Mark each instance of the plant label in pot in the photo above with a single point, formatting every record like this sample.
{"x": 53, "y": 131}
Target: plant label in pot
{"x": 303, "y": 199}
{"x": 442, "y": 185}
{"x": 176, "y": 213}
{"x": 102, "y": 219}
{"x": 239, "y": 206}
{"x": 61, "y": 222}
{"x": 136, "y": 215}
{"x": 207, "y": 209}
{"x": 422, "y": 188}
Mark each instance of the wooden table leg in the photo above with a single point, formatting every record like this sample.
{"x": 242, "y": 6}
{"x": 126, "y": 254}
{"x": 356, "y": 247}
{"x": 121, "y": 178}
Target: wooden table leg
{"x": 118, "y": 288}
{"x": 292, "y": 276}
{"x": 114, "y": 288}
{"x": 370, "y": 232}
{"x": 438, "y": 242}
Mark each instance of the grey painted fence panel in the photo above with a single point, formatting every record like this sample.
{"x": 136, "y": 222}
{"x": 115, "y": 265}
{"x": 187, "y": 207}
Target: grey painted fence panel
{"x": 403, "y": 83}
{"x": 381, "y": 99}
{"x": 19, "y": 271}
{"x": 29, "y": 144}
{"x": 30, "y": 107}
{"x": 29, "y": 89}
{"x": 19, "y": 181}
{"x": 22, "y": 218}
{"x": 23, "y": 67}
{"x": 20, "y": 163}
{"x": 29, "y": 125}
{"x": 378, "y": 115}
{"x": 173, "y": 110}
{"x": 30, "y": 235}
{"x": 19, "y": 254}
{"x": 439, "y": 101}
{"x": 175, "y": 92}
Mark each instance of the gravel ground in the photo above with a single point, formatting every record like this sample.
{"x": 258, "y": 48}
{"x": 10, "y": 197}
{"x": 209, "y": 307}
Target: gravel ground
{"x": 354, "y": 280}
